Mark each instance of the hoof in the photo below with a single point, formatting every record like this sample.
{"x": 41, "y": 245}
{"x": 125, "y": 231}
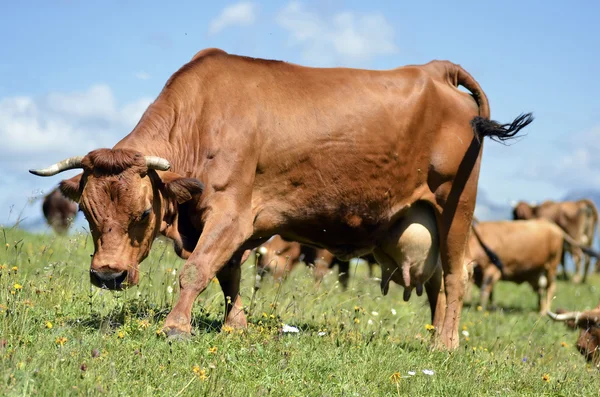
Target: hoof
{"x": 174, "y": 334}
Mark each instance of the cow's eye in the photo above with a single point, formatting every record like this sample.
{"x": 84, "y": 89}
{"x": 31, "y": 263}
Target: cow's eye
{"x": 145, "y": 214}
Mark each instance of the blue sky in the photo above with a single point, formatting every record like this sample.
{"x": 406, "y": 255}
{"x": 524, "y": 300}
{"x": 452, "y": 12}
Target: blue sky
{"x": 77, "y": 75}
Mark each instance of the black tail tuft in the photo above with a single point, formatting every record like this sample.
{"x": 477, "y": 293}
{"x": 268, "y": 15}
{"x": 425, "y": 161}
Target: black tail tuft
{"x": 500, "y": 132}
{"x": 494, "y": 258}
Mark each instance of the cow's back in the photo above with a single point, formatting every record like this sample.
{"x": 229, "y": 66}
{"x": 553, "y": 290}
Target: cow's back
{"x": 345, "y": 147}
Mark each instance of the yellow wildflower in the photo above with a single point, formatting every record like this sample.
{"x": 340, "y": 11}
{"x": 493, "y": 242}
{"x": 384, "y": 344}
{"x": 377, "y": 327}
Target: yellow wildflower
{"x": 546, "y": 378}
{"x": 61, "y": 340}
{"x": 564, "y": 344}
{"x": 17, "y": 286}
{"x": 143, "y": 324}
{"x": 464, "y": 327}
{"x": 14, "y": 268}
{"x": 265, "y": 315}
{"x": 121, "y": 335}
{"x": 479, "y": 308}
{"x": 48, "y": 325}
{"x": 212, "y": 350}
{"x": 200, "y": 372}
{"x": 429, "y": 327}
{"x": 356, "y": 321}
{"x": 395, "y": 378}
{"x": 227, "y": 329}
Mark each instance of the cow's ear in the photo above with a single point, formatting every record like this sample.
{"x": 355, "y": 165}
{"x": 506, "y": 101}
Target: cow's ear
{"x": 71, "y": 188}
{"x": 179, "y": 188}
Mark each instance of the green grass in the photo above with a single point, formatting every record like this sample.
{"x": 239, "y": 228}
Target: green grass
{"x": 110, "y": 342}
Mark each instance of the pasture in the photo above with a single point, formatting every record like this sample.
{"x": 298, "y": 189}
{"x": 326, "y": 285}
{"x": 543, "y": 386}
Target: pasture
{"x": 60, "y": 336}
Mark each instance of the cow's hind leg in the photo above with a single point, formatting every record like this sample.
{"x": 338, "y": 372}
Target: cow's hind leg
{"x": 344, "y": 273}
{"x": 224, "y": 233}
{"x": 586, "y": 267}
{"x": 577, "y": 256}
{"x": 229, "y": 278}
{"x": 454, "y": 224}
{"x": 490, "y": 278}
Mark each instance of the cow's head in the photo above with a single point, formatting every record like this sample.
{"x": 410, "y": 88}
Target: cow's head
{"x": 523, "y": 210}
{"x": 588, "y": 323}
{"x": 127, "y": 203}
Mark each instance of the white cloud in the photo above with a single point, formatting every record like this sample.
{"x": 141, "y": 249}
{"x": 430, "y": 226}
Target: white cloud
{"x": 577, "y": 168}
{"x": 347, "y": 37}
{"x": 64, "y": 123}
{"x": 240, "y": 14}
{"x": 37, "y": 131}
{"x": 142, "y": 75}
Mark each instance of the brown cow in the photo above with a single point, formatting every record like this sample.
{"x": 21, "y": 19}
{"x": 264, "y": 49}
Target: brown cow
{"x": 59, "y": 211}
{"x": 577, "y": 218}
{"x": 519, "y": 251}
{"x": 588, "y": 323}
{"x": 245, "y": 148}
{"x": 279, "y": 257}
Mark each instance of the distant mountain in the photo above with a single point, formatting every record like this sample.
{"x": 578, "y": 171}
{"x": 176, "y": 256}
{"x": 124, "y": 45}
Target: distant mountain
{"x": 591, "y": 194}
{"x": 487, "y": 210}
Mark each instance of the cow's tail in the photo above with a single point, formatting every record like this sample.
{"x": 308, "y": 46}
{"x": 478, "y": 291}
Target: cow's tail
{"x": 591, "y": 207}
{"x": 586, "y": 250}
{"x": 482, "y": 125}
{"x": 494, "y": 258}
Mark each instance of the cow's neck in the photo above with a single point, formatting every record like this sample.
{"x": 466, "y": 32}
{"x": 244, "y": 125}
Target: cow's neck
{"x": 165, "y": 131}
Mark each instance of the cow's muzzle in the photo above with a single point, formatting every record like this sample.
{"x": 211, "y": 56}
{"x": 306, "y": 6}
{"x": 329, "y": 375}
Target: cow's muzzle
{"x": 108, "y": 280}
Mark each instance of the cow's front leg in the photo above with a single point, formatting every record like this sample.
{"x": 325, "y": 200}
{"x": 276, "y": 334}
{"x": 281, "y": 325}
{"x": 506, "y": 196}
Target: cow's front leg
{"x": 223, "y": 235}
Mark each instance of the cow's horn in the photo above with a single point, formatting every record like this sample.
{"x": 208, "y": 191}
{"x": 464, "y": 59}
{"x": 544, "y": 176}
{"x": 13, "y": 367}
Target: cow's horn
{"x": 67, "y": 164}
{"x": 564, "y": 316}
{"x": 157, "y": 163}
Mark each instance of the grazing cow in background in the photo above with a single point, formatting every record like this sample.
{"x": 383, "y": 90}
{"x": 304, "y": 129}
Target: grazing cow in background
{"x": 237, "y": 149}
{"x": 59, "y": 211}
{"x": 588, "y": 323}
{"x": 279, "y": 257}
{"x": 519, "y": 251}
{"x": 577, "y": 218}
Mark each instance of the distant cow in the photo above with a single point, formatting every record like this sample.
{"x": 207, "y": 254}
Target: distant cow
{"x": 279, "y": 257}
{"x": 237, "y": 149}
{"x": 59, "y": 211}
{"x": 588, "y": 322}
{"x": 577, "y": 218}
{"x": 519, "y": 251}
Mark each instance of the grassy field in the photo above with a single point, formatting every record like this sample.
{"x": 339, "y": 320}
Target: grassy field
{"x": 60, "y": 336}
